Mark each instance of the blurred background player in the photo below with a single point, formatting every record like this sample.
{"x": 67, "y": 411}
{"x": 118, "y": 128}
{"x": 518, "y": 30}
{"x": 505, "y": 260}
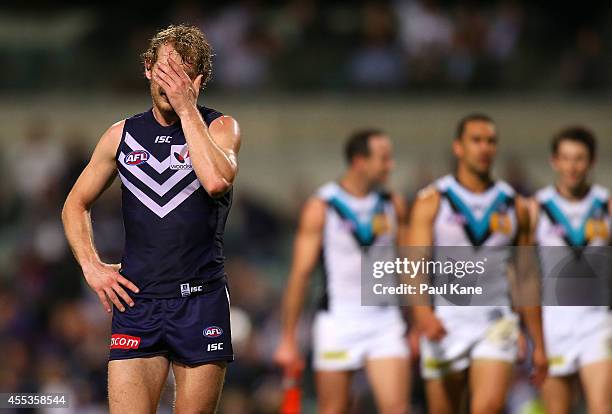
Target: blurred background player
{"x": 177, "y": 162}
{"x": 575, "y": 213}
{"x": 472, "y": 347}
{"x": 337, "y": 226}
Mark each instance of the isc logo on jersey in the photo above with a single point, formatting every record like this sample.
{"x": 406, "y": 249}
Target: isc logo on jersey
{"x": 137, "y": 157}
{"x": 179, "y": 157}
{"x": 163, "y": 139}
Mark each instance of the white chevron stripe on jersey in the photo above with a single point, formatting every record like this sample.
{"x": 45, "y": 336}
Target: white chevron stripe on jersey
{"x": 159, "y": 166}
{"x": 160, "y": 189}
{"x": 161, "y": 211}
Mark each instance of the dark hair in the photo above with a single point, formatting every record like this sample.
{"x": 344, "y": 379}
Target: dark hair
{"x": 476, "y": 116}
{"x": 357, "y": 143}
{"x": 577, "y": 134}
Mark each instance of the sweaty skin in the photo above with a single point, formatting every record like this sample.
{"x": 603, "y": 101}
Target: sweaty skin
{"x": 213, "y": 151}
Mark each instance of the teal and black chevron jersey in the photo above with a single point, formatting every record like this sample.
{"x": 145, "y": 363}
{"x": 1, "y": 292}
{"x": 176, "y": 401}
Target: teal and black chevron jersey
{"x": 485, "y": 224}
{"x": 353, "y": 225}
{"x": 564, "y": 222}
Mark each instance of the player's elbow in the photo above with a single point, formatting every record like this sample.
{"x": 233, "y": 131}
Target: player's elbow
{"x": 217, "y": 188}
{"x": 71, "y": 206}
{"x": 66, "y": 211}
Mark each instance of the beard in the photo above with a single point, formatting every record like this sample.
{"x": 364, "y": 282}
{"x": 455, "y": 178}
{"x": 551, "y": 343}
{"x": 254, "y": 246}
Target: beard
{"x": 160, "y": 100}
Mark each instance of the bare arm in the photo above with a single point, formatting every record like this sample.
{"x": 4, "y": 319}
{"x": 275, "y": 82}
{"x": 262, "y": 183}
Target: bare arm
{"x": 401, "y": 212}
{"x": 306, "y": 253}
{"x": 402, "y": 216}
{"x": 420, "y": 238}
{"x": 529, "y": 285}
{"x": 93, "y": 181}
{"x": 213, "y": 150}
{"x": 422, "y": 216}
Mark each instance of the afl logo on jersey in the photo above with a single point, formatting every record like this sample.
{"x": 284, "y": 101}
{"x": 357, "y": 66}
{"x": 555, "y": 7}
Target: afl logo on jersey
{"x": 137, "y": 157}
{"x": 212, "y": 332}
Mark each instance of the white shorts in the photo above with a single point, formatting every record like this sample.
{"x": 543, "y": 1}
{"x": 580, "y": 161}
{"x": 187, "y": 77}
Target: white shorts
{"x": 344, "y": 341}
{"x": 471, "y": 334}
{"x": 575, "y": 337}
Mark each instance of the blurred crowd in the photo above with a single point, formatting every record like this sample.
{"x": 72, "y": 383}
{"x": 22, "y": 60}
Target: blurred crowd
{"x": 267, "y": 46}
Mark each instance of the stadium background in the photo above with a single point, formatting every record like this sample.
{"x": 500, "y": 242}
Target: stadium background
{"x": 298, "y": 76}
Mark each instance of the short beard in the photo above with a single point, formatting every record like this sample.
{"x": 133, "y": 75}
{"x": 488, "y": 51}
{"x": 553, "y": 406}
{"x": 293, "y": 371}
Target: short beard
{"x": 162, "y": 105}
{"x": 485, "y": 176}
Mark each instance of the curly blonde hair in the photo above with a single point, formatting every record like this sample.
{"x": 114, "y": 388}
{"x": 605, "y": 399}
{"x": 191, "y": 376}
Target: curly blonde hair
{"x": 189, "y": 42}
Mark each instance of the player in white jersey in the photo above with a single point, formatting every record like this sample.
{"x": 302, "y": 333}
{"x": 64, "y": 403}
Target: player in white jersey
{"x": 338, "y": 224}
{"x": 473, "y": 348}
{"x": 574, "y": 213}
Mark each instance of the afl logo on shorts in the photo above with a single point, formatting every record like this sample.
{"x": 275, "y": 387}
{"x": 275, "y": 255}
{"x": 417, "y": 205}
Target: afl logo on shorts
{"x": 137, "y": 157}
{"x": 212, "y": 332}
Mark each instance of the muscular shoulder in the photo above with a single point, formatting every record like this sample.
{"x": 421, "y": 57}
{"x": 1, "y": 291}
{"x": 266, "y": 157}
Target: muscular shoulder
{"x": 116, "y": 129}
{"x": 427, "y": 202}
{"x": 109, "y": 142}
{"x": 226, "y": 131}
{"x": 313, "y": 214}
{"x": 224, "y": 122}
{"x": 114, "y": 132}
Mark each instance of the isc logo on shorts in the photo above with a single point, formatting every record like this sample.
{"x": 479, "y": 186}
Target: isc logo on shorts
{"x": 120, "y": 341}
